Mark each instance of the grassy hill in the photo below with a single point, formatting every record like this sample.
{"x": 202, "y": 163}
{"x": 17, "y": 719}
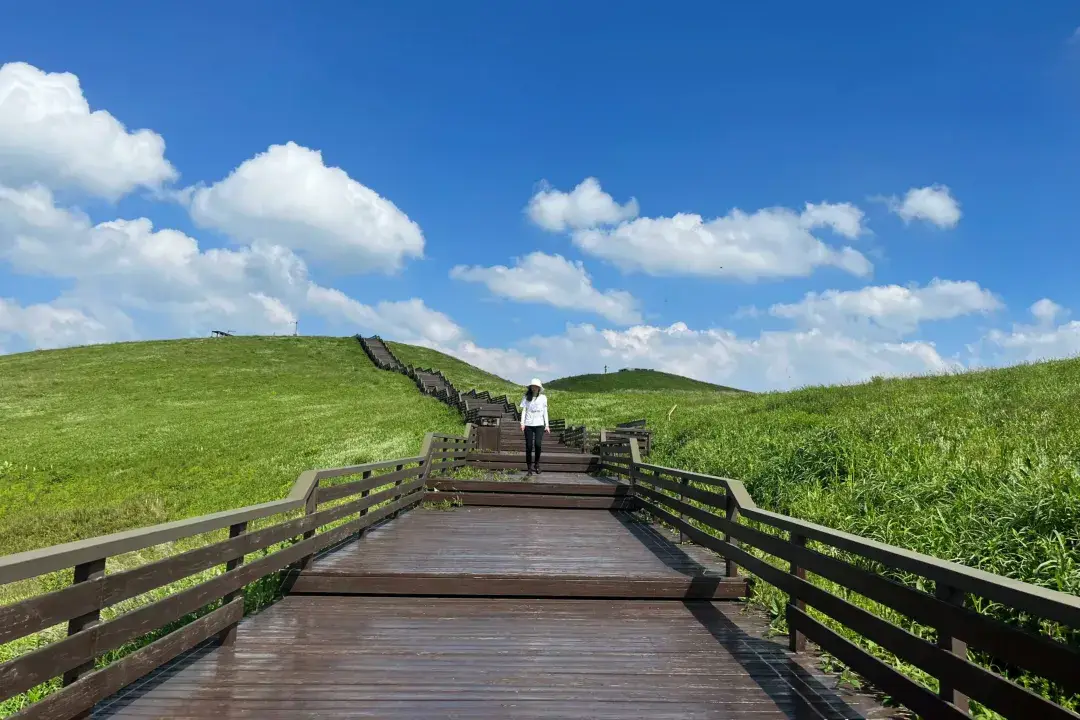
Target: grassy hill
{"x": 981, "y": 468}
{"x": 110, "y": 437}
{"x": 634, "y": 379}
{"x": 464, "y": 376}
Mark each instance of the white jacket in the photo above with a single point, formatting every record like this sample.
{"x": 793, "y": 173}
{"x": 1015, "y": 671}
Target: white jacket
{"x": 534, "y": 412}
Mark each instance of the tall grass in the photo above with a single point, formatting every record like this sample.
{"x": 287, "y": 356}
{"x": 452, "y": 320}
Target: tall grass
{"x": 980, "y": 468}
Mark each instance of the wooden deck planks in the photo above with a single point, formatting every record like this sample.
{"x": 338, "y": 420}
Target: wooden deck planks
{"x": 520, "y": 542}
{"x": 355, "y": 657}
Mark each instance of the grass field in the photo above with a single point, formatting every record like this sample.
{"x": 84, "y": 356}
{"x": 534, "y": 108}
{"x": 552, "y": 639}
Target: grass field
{"x": 105, "y": 438}
{"x": 636, "y": 379}
{"x": 981, "y": 468}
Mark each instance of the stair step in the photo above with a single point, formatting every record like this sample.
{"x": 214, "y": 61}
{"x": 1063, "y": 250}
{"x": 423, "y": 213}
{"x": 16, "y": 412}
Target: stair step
{"x": 525, "y": 500}
{"x": 557, "y": 484}
{"x": 494, "y": 585}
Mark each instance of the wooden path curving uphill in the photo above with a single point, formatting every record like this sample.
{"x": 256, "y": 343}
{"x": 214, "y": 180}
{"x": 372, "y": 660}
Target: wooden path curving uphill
{"x": 606, "y": 588}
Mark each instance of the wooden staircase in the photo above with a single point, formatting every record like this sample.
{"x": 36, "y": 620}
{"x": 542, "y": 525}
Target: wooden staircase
{"x": 511, "y": 439}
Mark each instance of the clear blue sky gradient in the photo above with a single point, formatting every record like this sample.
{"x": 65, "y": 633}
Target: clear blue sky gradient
{"x": 456, "y": 111}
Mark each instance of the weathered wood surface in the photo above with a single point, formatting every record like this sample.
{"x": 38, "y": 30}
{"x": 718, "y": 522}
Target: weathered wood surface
{"x": 552, "y": 483}
{"x": 353, "y": 657}
{"x": 519, "y": 552}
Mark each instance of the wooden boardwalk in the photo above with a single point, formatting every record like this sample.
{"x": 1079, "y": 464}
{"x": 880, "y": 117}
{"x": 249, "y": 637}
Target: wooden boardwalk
{"x": 500, "y": 612}
{"x": 511, "y": 597}
{"x": 368, "y": 657}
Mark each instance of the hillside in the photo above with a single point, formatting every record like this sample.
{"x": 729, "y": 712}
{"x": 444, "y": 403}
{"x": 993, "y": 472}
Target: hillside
{"x": 464, "y": 376}
{"x": 634, "y": 379}
{"x": 902, "y": 461}
{"x": 109, "y": 437}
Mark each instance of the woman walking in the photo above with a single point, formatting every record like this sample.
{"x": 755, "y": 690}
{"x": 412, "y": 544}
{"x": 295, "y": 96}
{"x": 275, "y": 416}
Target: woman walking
{"x": 534, "y": 423}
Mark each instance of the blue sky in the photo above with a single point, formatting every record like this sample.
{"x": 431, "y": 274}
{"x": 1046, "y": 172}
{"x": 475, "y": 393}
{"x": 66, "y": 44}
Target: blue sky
{"x": 460, "y": 116}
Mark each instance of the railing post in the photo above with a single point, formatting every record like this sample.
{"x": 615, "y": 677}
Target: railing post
{"x": 86, "y": 572}
{"x": 363, "y": 476}
{"x": 425, "y": 452}
{"x": 683, "y": 482}
{"x": 311, "y": 506}
{"x": 947, "y": 642}
{"x": 732, "y": 515}
{"x": 228, "y": 635}
{"x": 397, "y": 484}
{"x": 796, "y": 640}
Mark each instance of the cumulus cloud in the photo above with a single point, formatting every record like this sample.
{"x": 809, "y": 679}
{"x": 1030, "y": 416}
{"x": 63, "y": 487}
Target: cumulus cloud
{"x": 287, "y": 196}
{"x": 586, "y": 206}
{"x": 552, "y": 280}
{"x": 50, "y": 325}
{"x": 49, "y": 135}
{"x": 770, "y": 360}
{"x": 891, "y": 308}
{"x": 933, "y": 204}
{"x": 1046, "y": 310}
{"x": 129, "y": 265}
{"x": 844, "y": 218}
{"x": 1051, "y": 335}
{"x": 769, "y": 243}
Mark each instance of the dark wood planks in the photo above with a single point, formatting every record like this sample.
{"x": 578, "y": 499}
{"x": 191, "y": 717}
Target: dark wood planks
{"x": 552, "y": 462}
{"x": 533, "y": 500}
{"x": 517, "y": 541}
{"x": 543, "y": 484}
{"x": 516, "y": 586}
{"x": 349, "y": 657}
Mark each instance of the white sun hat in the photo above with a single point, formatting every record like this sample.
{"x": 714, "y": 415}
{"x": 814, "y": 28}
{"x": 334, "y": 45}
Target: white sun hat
{"x": 537, "y": 383}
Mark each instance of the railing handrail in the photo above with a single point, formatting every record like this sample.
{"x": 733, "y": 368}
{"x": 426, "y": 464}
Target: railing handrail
{"x": 1051, "y": 604}
{"x": 40, "y": 561}
{"x": 682, "y": 498}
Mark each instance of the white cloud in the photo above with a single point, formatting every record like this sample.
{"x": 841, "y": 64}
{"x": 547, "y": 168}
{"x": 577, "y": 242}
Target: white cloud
{"x": 50, "y": 325}
{"x": 844, "y": 218}
{"x": 287, "y": 196}
{"x": 934, "y": 204}
{"x": 49, "y": 135}
{"x": 771, "y": 360}
{"x": 889, "y": 308}
{"x": 770, "y": 243}
{"x": 552, "y": 280}
{"x": 586, "y": 206}
{"x": 1046, "y": 310}
{"x": 408, "y": 321}
{"x": 1044, "y": 339}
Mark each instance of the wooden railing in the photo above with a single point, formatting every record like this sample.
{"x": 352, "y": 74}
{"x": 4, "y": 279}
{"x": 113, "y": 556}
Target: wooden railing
{"x": 450, "y": 451}
{"x": 341, "y": 511}
{"x": 719, "y": 514}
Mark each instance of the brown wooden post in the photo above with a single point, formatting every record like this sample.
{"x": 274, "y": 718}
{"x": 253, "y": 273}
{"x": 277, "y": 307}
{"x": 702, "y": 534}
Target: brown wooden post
{"x": 311, "y": 506}
{"x": 86, "y": 572}
{"x": 397, "y": 484}
{"x": 947, "y": 642}
{"x": 683, "y": 482}
{"x": 796, "y": 640}
{"x": 732, "y": 514}
{"x": 228, "y": 635}
{"x": 366, "y": 474}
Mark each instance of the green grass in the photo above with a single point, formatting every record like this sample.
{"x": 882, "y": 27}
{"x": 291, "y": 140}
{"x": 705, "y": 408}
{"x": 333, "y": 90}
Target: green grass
{"x": 464, "y": 376}
{"x": 634, "y": 379}
{"x": 980, "y": 468}
{"x": 105, "y": 438}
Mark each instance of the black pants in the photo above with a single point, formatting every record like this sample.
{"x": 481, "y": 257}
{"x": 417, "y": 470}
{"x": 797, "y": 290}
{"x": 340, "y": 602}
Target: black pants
{"x": 534, "y": 436}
